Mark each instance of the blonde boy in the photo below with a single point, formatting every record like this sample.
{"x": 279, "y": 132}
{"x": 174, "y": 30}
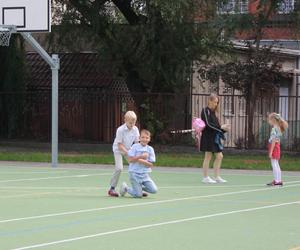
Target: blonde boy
{"x": 126, "y": 135}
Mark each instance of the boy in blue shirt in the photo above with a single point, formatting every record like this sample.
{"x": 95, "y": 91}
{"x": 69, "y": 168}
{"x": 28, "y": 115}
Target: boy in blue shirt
{"x": 141, "y": 157}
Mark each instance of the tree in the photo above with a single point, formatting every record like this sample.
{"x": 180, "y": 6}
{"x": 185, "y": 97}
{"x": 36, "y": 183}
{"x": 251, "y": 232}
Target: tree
{"x": 151, "y": 43}
{"x": 12, "y": 83}
{"x": 259, "y": 73}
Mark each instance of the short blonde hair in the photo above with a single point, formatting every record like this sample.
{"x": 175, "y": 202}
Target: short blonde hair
{"x": 130, "y": 115}
{"x": 146, "y": 132}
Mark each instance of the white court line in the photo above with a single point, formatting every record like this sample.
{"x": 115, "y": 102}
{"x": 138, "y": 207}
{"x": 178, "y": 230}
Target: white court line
{"x": 222, "y": 185}
{"x": 157, "y": 225}
{"x": 165, "y": 169}
{"x": 142, "y": 204}
{"x": 28, "y": 194}
{"x": 160, "y": 187}
{"x": 27, "y": 172}
{"x": 228, "y": 174}
{"x": 81, "y": 167}
{"x": 260, "y": 175}
{"x": 54, "y": 177}
{"x": 20, "y": 188}
{"x": 192, "y": 170}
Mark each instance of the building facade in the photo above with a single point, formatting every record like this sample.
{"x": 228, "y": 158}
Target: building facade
{"x": 284, "y": 41}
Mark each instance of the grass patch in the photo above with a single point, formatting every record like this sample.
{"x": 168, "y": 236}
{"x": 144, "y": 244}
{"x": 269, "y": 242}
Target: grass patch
{"x": 255, "y": 162}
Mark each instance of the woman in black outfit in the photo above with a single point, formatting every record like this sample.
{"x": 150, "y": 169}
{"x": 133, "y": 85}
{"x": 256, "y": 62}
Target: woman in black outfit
{"x": 211, "y": 139}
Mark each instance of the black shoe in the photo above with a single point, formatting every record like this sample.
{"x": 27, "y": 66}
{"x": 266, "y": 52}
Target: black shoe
{"x": 275, "y": 183}
{"x": 271, "y": 183}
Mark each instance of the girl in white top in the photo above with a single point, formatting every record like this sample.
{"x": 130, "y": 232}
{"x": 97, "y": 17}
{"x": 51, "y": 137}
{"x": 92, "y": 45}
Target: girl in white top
{"x": 279, "y": 125}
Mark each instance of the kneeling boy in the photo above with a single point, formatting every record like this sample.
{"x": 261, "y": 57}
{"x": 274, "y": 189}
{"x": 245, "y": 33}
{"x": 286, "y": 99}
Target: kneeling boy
{"x": 141, "y": 157}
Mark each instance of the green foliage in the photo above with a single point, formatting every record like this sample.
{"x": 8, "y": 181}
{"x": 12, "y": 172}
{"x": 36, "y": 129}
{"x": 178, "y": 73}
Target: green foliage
{"x": 259, "y": 66}
{"x": 154, "y": 50}
{"x": 149, "y": 120}
{"x": 179, "y": 159}
{"x": 257, "y": 70}
{"x": 152, "y": 44}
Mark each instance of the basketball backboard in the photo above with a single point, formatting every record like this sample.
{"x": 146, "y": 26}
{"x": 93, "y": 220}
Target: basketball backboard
{"x": 26, "y": 15}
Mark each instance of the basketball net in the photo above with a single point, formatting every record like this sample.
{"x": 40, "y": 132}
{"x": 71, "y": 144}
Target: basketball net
{"x": 5, "y": 34}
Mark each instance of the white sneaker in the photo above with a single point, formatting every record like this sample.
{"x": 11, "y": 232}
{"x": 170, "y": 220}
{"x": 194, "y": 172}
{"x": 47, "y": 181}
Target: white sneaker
{"x": 208, "y": 180}
{"x": 220, "y": 180}
{"x": 123, "y": 189}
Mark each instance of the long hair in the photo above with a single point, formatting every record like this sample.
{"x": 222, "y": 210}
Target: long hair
{"x": 212, "y": 97}
{"x": 282, "y": 124}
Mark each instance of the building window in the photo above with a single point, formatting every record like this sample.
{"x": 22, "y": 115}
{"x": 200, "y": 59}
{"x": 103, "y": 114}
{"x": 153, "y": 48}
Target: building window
{"x": 244, "y": 6}
{"x": 233, "y": 7}
{"x": 286, "y": 7}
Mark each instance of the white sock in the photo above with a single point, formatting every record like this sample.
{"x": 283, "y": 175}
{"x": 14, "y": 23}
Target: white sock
{"x": 278, "y": 178}
{"x": 276, "y": 170}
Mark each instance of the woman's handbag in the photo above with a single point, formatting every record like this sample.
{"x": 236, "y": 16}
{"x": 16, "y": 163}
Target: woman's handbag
{"x": 219, "y": 137}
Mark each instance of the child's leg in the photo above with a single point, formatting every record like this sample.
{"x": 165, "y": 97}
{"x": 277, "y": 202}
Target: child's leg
{"x": 278, "y": 176}
{"x": 275, "y": 169}
{"x": 136, "y": 189}
{"x": 217, "y": 163}
{"x": 206, "y": 161}
{"x": 118, "y": 169}
{"x": 149, "y": 186}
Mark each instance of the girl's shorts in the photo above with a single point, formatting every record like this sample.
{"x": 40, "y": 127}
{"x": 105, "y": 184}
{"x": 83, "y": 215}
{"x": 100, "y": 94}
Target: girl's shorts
{"x": 276, "y": 151}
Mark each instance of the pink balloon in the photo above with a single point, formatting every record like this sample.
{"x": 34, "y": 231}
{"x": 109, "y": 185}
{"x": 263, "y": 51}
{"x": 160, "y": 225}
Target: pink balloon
{"x": 198, "y": 124}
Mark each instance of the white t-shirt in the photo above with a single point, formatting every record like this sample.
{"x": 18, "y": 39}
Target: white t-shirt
{"x": 126, "y": 137}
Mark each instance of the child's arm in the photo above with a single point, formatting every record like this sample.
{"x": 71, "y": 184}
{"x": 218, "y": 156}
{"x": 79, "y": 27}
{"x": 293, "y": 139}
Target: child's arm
{"x": 132, "y": 154}
{"x": 119, "y": 141}
{"x": 137, "y": 136}
{"x": 122, "y": 148}
{"x": 146, "y": 163}
{"x": 272, "y": 148}
{"x": 143, "y": 156}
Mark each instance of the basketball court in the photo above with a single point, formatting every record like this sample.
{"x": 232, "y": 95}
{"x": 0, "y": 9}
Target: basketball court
{"x": 68, "y": 208}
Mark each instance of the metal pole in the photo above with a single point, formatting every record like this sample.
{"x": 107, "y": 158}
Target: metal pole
{"x": 38, "y": 48}
{"x": 54, "y": 141}
{"x": 54, "y": 64}
{"x": 297, "y": 97}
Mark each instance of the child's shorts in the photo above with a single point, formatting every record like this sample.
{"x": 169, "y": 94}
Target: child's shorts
{"x": 276, "y": 151}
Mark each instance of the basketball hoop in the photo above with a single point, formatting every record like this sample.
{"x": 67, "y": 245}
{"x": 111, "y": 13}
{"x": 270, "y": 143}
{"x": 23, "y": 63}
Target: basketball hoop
{"x": 5, "y": 34}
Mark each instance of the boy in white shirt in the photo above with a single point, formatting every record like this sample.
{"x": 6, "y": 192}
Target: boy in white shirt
{"x": 126, "y": 135}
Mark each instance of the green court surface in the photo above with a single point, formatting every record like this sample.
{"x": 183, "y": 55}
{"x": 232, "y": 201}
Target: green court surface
{"x": 67, "y": 208}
